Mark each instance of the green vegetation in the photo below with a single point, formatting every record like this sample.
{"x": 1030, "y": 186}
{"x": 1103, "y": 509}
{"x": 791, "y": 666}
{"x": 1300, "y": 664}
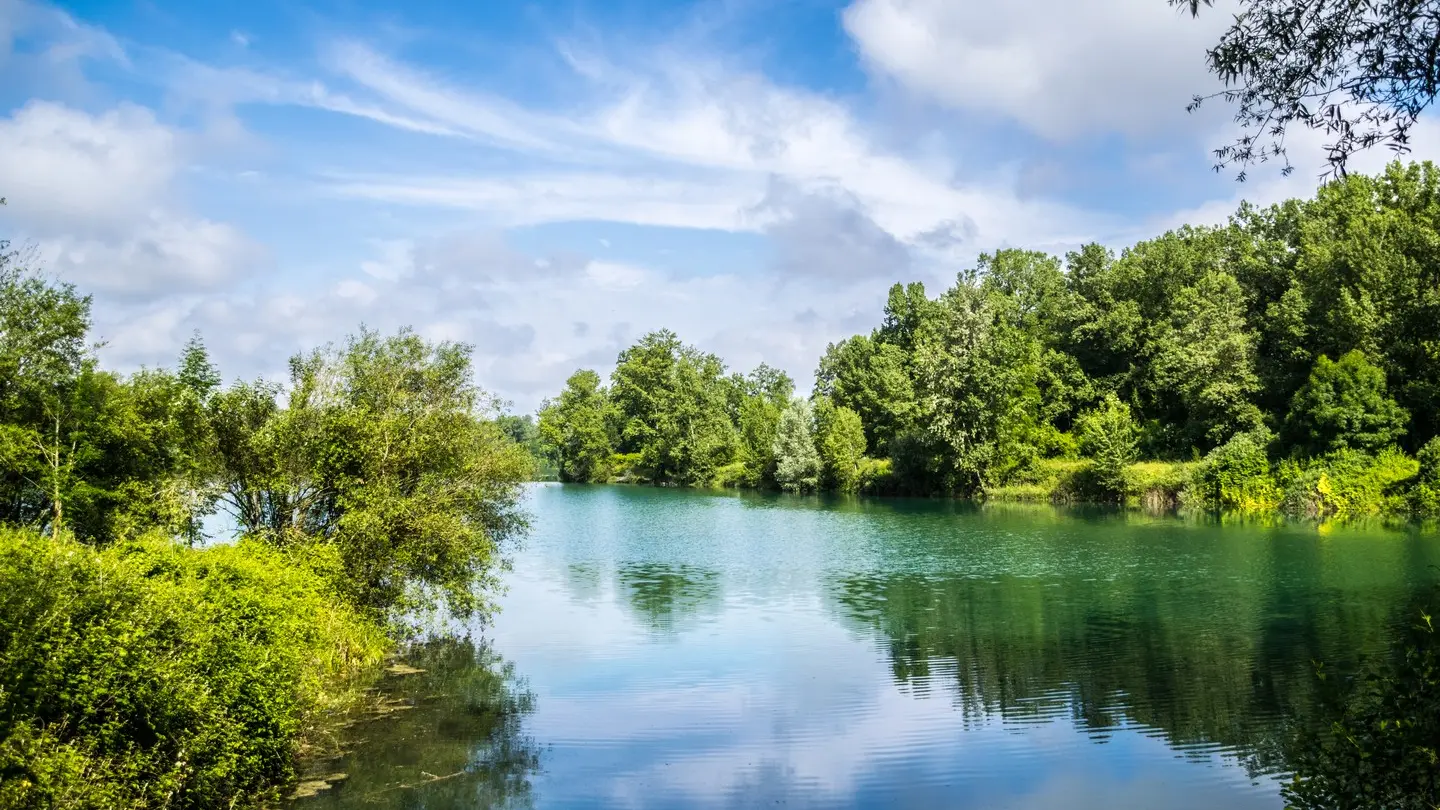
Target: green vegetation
{"x": 1205, "y": 352}
{"x": 138, "y": 669}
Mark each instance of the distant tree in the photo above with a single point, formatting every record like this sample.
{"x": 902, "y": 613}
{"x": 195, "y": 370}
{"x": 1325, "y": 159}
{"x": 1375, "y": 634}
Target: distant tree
{"x": 797, "y": 463}
{"x": 1109, "y": 437}
{"x": 672, "y": 405}
{"x": 575, "y": 429}
{"x": 1344, "y": 405}
{"x": 1359, "y": 72}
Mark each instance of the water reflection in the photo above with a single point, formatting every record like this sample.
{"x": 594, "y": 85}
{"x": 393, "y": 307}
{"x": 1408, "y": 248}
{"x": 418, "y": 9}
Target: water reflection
{"x": 662, "y": 595}
{"x": 693, "y": 650}
{"x": 451, "y": 735}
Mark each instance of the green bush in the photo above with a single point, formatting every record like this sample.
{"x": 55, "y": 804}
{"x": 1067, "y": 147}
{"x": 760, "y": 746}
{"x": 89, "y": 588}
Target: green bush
{"x": 1237, "y": 475}
{"x": 1425, "y": 494}
{"x": 1347, "y": 483}
{"x": 1108, "y": 435}
{"x": 734, "y": 475}
{"x": 150, "y": 674}
{"x": 875, "y": 477}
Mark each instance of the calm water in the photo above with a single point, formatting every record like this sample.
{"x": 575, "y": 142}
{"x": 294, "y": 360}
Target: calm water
{"x": 662, "y": 649}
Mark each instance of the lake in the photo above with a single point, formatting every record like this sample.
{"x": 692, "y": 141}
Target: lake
{"x": 661, "y": 648}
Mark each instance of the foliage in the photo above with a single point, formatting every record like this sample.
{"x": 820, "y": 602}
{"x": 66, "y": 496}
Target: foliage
{"x": 1381, "y": 752}
{"x": 1205, "y": 334}
{"x": 149, "y": 674}
{"x": 382, "y": 451}
{"x": 1347, "y": 483}
{"x": 671, "y": 405}
{"x": 1360, "y": 73}
{"x": 1237, "y": 475}
{"x": 1344, "y": 405}
{"x": 577, "y": 429}
{"x": 1425, "y": 494}
{"x": 797, "y": 463}
{"x": 841, "y": 442}
{"x": 1108, "y": 436}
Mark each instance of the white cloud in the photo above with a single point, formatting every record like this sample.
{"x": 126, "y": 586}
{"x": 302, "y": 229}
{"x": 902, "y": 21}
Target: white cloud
{"x": 1059, "y": 68}
{"x": 96, "y": 193}
{"x": 59, "y": 164}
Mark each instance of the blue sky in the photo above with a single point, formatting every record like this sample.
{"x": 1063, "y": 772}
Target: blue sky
{"x": 549, "y": 180}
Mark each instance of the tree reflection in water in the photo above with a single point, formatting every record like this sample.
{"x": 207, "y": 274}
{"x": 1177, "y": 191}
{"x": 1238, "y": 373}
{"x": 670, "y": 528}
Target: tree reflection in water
{"x": 450, "y": 735}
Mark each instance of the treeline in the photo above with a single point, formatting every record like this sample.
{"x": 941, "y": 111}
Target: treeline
{"x": 141, "y": 666}
{"x": 1289, "y": 359}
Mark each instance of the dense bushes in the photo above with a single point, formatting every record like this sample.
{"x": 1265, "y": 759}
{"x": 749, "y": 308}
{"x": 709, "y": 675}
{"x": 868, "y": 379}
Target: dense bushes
{"x": 152, "y": 675}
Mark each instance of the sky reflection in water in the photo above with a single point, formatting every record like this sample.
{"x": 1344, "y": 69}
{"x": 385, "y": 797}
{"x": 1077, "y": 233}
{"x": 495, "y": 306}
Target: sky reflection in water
{"x": 695, "y": 650}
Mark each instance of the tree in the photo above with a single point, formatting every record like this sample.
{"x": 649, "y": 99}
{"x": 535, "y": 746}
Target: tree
{"x": 797, "y": 463}
{"x": 975, "y": 383}
{"x": 1361, "y": 73}
{"x": 1344, "y": 405}
{"x": 762, "y": 397}
{"x": 1207, "y": 360}
{"x": 841, "y": 441}
{"x": 1108, "y": 436}
{"x": 576, "y": 429}
{"x": 385, "y": 449}
{"x": 873, "y": 378}
{"x": 671, "y": 404}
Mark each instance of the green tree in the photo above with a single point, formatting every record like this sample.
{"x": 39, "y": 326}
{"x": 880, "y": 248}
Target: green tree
{"x": 874, "y": 379}
{"x": 797, "y": 463}
{"x": 841, "y": 442}
{"x": 761, "y": 397}
{"x": 384, "y": 450}
{"x": 1344, "y": 405}
{"x": 1108, "y": 436}
{"x": 1207, "y": 360}
{"x": 576, "y": 429}
{"x": 672, "y": 405}
{"x": 975, "y": 384}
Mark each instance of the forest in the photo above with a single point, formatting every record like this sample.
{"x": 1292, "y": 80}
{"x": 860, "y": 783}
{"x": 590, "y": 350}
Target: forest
{"x": 142, "y": 665}
{"x": 1288, "y": 360}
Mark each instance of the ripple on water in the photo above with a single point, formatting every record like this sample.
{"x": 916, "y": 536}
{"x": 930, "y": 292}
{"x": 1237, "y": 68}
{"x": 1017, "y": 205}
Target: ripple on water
{"x": 702, "y": 650}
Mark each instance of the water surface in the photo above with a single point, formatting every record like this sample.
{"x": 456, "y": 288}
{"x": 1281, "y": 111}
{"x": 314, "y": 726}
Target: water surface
{"x": 665, "y": 649}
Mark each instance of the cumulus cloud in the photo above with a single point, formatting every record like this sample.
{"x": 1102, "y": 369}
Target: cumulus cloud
{"x": 96, "y": 192}
{"x": 1061, "y": 69}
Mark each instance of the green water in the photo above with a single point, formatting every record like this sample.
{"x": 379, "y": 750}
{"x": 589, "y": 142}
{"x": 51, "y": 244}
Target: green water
{"x": 667, "y": 649}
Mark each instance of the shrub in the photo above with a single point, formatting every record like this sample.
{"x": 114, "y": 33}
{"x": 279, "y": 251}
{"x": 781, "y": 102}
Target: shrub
{"x": 149, "y": 674}
{"x": 1425, "y": 494}
{"x": 1237, "y": 475}
{"x": 1344, "y": 405}
{"x": 1109, "y": 436}
{"x": 1347, "y": 483}
{"x": 875, "y": 477}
